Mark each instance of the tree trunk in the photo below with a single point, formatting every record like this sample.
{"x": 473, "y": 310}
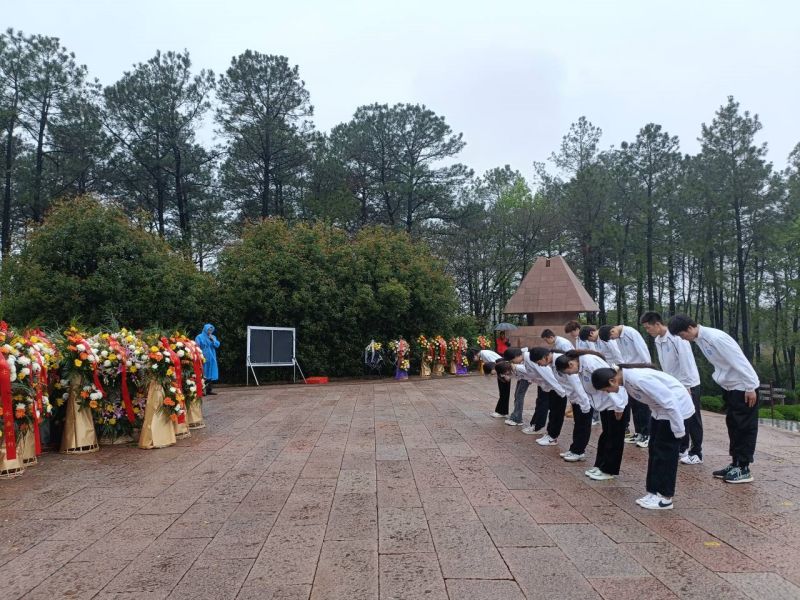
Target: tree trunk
{"x": 183, "y": 213}
{"x": 740, "y": 264}
{"x": 9, "y": 163}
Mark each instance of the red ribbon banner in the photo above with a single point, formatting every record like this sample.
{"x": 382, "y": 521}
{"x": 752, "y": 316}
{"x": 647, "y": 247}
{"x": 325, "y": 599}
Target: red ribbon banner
{"x": 197, "y": 365}
{"x": 95, "y": 376}
{"x": 8, "y": 408}
{"x": 122, "y": 354}
{"x": 176, "y": 364}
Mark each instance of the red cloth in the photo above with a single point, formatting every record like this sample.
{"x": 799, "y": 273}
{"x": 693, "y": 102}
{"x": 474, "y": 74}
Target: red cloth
{"x": 502, "y": 346}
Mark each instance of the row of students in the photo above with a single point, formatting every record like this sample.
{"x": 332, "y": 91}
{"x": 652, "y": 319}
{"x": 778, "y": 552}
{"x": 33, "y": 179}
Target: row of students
{"x": 681, "y": 379}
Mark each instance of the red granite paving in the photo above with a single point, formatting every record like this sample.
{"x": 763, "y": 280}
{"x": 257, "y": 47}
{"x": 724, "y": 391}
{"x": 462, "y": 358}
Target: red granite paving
{"x": 391, "y": 491}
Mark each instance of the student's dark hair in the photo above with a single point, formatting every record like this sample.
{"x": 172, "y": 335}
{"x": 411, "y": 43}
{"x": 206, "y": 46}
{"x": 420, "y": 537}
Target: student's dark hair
{"x": 562, "y": 362}
{"x": 570, "y": 326}
{"x": 548, "y": 333}
{"x": 604, "y": 333}
{"x": 602, "y": 377}
{"x": 502, "y": 367}
{"x": 586, "y": 330}
{"x": 539, "y": 352}
{"x": 512, "y": 353}
{"x": 680, "y": 323}
{"x": 638, "y": 366}
{"x": 472, "y": 354}
{"x": 651, "y": 318}
{"x": 487, "y": 368}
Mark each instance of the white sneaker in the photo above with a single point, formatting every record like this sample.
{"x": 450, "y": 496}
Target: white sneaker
{"x": 563, "y": 454}
{"x": 546, "y": 440}
{"x": 600, "y": 476}
{"x": 646, "y": 499}
{"x": 529, "y": 430}
{"x": 683, "y": 454}
{"x": 692, "y": 459}
{"x": 512, "y": 422}
{"x": 657, "y": 502}
{"x": 588, "y": 472}
{"x": 595, "y": 422}
{"x": 633, "y": 438}
{"x": 572, "y": 457}
{"x": 644, "y": 441}
{"x": 497, "y": 415}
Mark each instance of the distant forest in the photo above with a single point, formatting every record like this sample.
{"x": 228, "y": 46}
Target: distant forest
{"x": 645, "y": 226}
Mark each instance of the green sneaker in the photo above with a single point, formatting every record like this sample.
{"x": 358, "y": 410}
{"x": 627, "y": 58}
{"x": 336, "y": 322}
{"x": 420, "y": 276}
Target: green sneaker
{"x": 721, "y": 473}
{"x": 739, "y": 475}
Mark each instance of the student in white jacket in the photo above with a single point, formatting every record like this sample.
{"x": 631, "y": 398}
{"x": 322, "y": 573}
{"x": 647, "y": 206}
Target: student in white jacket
{"x": 670, "y": 406}
{"x": 632, "y": 349}
{"x": 676, "y": 358}
{"x": 551, "y": 412}
{"x": 739, "y": 383}
{"x": 611, "y": 406}
{"x": 556, "y": 342}
{"x": 576, "y": 395}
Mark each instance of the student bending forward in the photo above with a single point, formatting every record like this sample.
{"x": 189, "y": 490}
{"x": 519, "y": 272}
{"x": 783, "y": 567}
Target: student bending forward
{"x": 670, "y": 405}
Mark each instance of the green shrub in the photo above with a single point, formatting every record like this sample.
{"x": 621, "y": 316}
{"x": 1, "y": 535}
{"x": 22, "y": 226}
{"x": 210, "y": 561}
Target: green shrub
{"x": 87, "y": 262}
{"x": 712, "y": 403}
{"x": 338, "y": 292}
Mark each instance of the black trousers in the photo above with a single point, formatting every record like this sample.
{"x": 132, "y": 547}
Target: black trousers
{"x": 504, "y": 388}
{"x": 742, "y": 422}
{"x": 582, "y": 430}
{"x": 611, "y": 443}
{"x": 662, "y": 462}
{"x": 539, "y": 418}
{"x": 694, "y": 427}
{"x": 557, "y": 408}
{"x": 641, "y": 416}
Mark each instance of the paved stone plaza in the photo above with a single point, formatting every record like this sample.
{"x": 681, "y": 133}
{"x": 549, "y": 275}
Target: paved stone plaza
{"x": 391, "y": 491}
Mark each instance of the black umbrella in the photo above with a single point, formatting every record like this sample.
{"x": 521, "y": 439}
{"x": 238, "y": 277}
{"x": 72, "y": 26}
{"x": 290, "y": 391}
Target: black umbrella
{"x": 504, "y": 327}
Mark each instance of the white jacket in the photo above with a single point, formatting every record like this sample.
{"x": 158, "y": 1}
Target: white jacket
{"x": 732, "y": 371}
{"x": 676, "y": 358}
{"x": 544, "y": 377}
{"x": 667, "y": 397}
{"x": 489, "y": 356}
{"x": 616, "y": 401}
{"x": 632, "y": 346}
{"x": 610, "y": 350}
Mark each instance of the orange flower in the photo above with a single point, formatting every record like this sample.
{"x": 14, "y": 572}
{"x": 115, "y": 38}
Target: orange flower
{"x": 84, "y": 394}
{"x": 19, "y": 413}
{"x": 173, "y": 417}
{"x": 1, "y": 411}
{"x": 169, "y": 402}
{"x": 84, "y": 356}
{"x": 92, "y": 403}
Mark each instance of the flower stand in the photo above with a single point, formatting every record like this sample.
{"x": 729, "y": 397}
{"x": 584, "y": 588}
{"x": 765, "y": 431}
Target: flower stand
{"x": 79, "y": 436}
{"x": 157, "y": 428}
{"x": 194, "y": 415}
{"x": 453, "y": 367}
{"x": 181, "y": 430}
{"x": 9, "y": 468}
{"x": 26, "y": 449}
{"x": 438, "y": 369}
{"x": 400, "y": 375}
{"x": 425, "y": 369}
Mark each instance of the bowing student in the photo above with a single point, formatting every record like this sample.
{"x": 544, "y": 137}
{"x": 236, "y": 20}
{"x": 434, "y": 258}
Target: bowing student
{"x": 739, "y": 383}
{"x": 544, "y": 358}
{"x": 487, "y": 357}
{"x": 556, "y": 342}
{"x": 572, "y": 329}
{"x": 670, "y": 405}
{"x": 676, "y": 358}
{"x": 633, "y": 350}
{"x": 516, "y": 357}
{"x": 611, "y": 406}
{"x": 551, "y": 411}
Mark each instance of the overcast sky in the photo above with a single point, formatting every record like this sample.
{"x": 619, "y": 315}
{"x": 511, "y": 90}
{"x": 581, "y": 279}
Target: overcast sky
{"x": 510, "y": 75}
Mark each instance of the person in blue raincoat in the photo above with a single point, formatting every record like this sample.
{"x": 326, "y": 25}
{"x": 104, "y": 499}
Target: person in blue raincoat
{"x": 209, "y": 343}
